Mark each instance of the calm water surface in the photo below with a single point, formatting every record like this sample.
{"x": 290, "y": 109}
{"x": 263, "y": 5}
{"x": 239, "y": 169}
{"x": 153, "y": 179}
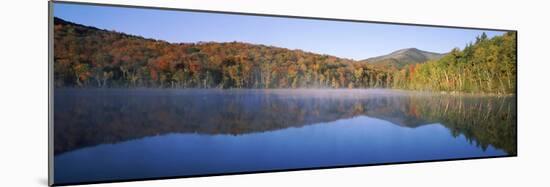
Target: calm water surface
{"x": 113, "y": 134}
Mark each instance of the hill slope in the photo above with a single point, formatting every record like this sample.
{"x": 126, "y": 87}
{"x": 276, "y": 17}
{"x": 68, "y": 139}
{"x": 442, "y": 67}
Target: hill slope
{"x": 398, "y": 59}
{"x": 90, "y": 57}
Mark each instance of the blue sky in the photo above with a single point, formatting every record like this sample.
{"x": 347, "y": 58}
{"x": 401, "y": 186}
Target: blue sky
{"x": 343, "y": 39}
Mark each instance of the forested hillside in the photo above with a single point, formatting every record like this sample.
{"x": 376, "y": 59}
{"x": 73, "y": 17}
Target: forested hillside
{"x": 90, "y": 57}
{"x": 487, "y": 66}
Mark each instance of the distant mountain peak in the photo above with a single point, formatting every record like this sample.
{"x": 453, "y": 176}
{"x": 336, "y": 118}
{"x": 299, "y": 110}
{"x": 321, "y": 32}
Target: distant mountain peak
{"x": 403, "y": 57}
{"x": 407, "y": 49}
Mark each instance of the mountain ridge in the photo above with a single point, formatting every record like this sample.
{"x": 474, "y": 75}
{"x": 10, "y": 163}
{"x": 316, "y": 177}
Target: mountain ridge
{"x": 400, "y": 58}
{"x": 372, "y": 60}
{"x": 86, "y": 56}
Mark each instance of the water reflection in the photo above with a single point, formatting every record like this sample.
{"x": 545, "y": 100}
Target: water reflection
{"x": 358, "y": 140}
{"x": 91, "y": 117}
{"x": 108, "y": 134}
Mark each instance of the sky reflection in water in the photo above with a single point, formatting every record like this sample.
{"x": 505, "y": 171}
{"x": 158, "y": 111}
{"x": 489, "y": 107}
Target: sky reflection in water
{"x": 108, "y": 135}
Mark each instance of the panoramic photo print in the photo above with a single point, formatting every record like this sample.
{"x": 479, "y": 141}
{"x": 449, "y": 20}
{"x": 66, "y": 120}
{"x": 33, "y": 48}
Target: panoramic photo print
{"x": 141, "y": 93}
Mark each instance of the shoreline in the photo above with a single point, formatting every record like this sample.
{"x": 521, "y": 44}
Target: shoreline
{"x": 451, "y": 93}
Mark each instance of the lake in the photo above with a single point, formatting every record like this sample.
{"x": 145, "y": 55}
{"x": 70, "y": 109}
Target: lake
{"x": 118, "y": 134}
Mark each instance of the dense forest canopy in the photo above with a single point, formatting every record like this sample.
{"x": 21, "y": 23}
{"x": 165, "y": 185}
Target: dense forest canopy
{"x": 90, "y": 57}
{"x": 488, "y": 66}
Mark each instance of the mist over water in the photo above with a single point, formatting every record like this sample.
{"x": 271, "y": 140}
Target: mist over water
{"x": 147, "y": 133}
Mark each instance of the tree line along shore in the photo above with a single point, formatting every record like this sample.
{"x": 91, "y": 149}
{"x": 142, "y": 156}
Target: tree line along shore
{"x": 87, "y": 57}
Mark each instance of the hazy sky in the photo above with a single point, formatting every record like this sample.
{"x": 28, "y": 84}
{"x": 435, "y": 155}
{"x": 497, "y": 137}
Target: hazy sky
{"x": 343, "y": 39}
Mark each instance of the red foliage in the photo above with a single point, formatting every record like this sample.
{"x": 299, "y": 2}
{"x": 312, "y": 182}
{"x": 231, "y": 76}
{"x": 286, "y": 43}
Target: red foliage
{"x": 412, "y": 68}
{"x": 162, "y": 64}
{"x": 154, "y": 74}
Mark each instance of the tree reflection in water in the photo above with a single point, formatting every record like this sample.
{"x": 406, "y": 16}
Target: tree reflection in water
{"x": 88, "y": 117}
